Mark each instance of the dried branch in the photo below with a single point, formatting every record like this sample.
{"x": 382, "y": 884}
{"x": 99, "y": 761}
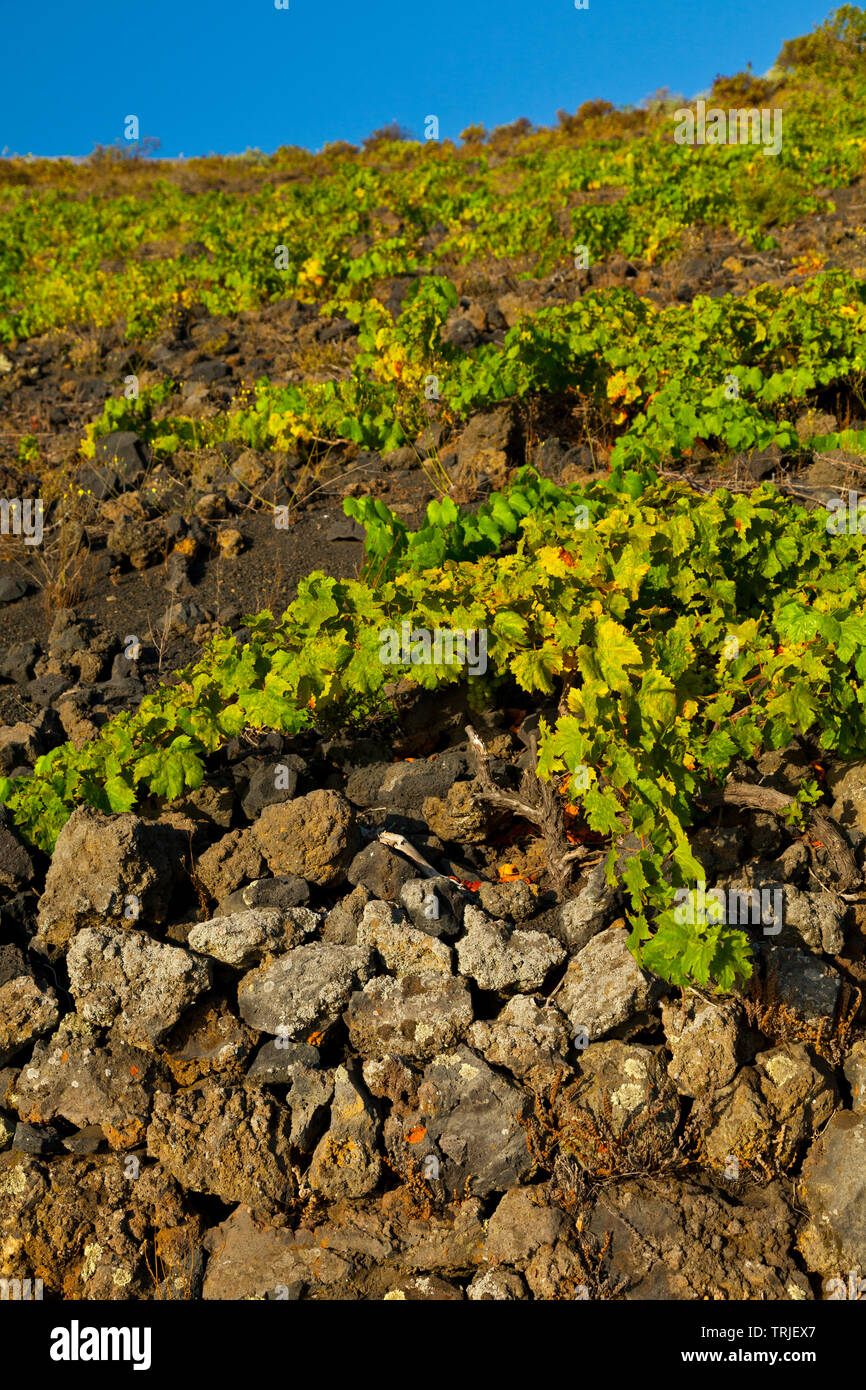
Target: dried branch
{"x": 776, "y": 803}
{"x": 536, "y": 802}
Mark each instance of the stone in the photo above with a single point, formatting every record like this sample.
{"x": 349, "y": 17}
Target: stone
{"x": 588, "y": 913}
{"x": 249, "y": 1259}
{"x": 78, "y": 1222}
{"x": 233, "y": 860}
{"x": 521, "y": 1223}
{"x": 80, "y": 715}
{"x": 403, "y": 786}
{"x": 346, "y": 1162}
{"x": 855, "y": 1075}
{"x": 18, "y": 661}
{"x": 424, "y": 1288}
{"x": 461, "y": 333}
{"x": 847, "y": 782}
{"x": 134, "y": 535}
{"x": 833, "y": 1189}
{"x": 313, "y": 836}
{"x": 45, "y": 691}
{"x": 7, "y": 1132}
{"x": 74, "y": 1078}
{"x": 404, "y": 950}
{"x": 817, "y": 918}
{"x": 703, "y": 1038}
{"x": 469, "y": 1120}
{"x": 12, "y": 962}
{"x": 208, "y": 1041}
{"x": 27, "y": 1012}
{"x": 632, "y": 1106}
{"x": 458, "y": 818}
{"x": 415, "y": 1016}
{"x": 248, "y": 469}
{"x": 813, "y": 919}
{"x": 497, "y": 957}
{"x": 305, "y": 991}
{"x": 270, "y": 784}
{"x": 807, "y": 988}
{"x": 532, "y": 1041}
{"x": 128, "y": 978}
{"x": 342, "y": 922}
{"x": 496, "y": 1285}
{"x": 283, "y": 892}
{"x": 309, "y": 1099}
{"x": 800, "y": 1096}
{"x": 107, "y": 871}
{"x": 676, "y": 1239}
{"x": 434, "y": 905}
{"x": 603, "y": 985}
{"x": 213, "y": 805}
{"x": 345, "y": 530}
{"x": 277, "y": 1061}
{"x": 392, "y": 1079}
{"x": 720, "y": 848}
{"x": 765, "y": 837}
{"x": 88, "y": 1140}
{"x": 125, "y": 454}
{"x": 20, "y": 746}
{"x": 230, "y": 542}
{"x": 232, "y": 1143}
{"x": 381, "y": 870}
{"x": 35, "y": 1139}
{"x": 12, "y": 589}
{"x": 80, "y": 648}
{"x": 740, "y": 1127}
{"x": 515, "y": 901}
{"x": 243, "y": 938}
{"x": 182, "y": 618}
{"x": 179, "y": 575}
{"x": 490, "y": 442}
{"x": 211, "y": 506}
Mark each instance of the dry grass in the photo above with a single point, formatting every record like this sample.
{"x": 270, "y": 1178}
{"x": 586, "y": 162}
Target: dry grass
{"x": 831, "y": 1038}
{"x": 175, "y": 1265}
{"x": 562, "y": 1129}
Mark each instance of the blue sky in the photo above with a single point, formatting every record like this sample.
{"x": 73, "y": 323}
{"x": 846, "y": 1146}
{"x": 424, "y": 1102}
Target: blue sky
{"x": 225, "y": 77}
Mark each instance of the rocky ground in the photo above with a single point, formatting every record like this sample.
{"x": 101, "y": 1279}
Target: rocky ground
{"x": 251, "y": 1049}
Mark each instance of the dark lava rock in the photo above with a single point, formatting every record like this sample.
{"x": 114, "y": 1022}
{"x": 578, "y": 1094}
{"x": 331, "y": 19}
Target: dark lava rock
{"x": 404, "y": 786}
{"x": 18, "y": 662}
{"x": 35, "y": 1139}
{"x": 16, "y": 866}
{"x": 381, "y": 870}
{"x": 12, "y": 589}
{"x": 283, "y": 892}
{"x": 434, "y": 905}
{"x": 470, "y": 1118}
{"x": 269, "y": 785}
{"x": 125, "y": 454}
